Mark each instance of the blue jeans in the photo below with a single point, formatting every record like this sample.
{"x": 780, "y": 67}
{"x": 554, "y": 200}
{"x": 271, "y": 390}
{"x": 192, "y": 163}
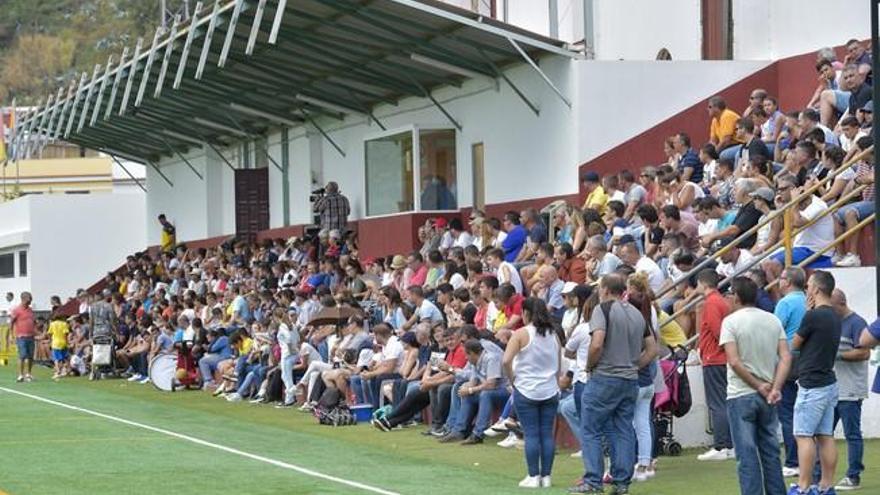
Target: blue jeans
{"x": 607, "y": 408}
{"x": 374, "y": 386}
{"x": 253, "y": 378}
{"x": 849, "y": 412}
{"x": 357, "y": 388}
{"x": 454, "y": 407}
{"x": 753, "y": 425}
{"x": 568, "y": 411}
{"x": 537, "y": 419}
{"x": 207, "y": 365}
{"x": 642, "y": 425}
{"x": 578, "y": 394}
{"x": 730, "y": 152}
{"x": 786, "y": 419}
{"x": 484, "y": 402}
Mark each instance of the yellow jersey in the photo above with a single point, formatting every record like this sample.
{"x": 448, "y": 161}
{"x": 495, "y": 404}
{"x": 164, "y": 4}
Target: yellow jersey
{"x": 671, "y": 334}
{"x": 168, "y": 238}
{"x": 597, "y": 200}
{"x": 58, "y": 330}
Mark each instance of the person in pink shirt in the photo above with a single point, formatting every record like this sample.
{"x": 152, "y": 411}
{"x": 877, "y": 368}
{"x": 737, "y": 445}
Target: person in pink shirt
{"x": 418, "y": 269}
{"x": 24, "y": 329}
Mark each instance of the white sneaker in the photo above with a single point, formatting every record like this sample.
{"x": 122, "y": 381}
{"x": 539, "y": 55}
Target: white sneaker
{"x": 713, "y": 455}
{"x": 28, "y": 378}
{"x": 530, "y": 482}
{"x": 850, "y": 259}
{"x": 508, "y": 442}
{"x": 577, "y": 455}
{"x": 790, "y": 472}
{"x": 498, "y": 427}
{"x": 145, "y": 380}
{"x": 546, "y": 482}
{"x": 640, "y": 474}
{"x": 136, "y": 377}
{"x": 489, "y": 432}
{"x": 20, "y": 378}
{"x": 233, "y": 397}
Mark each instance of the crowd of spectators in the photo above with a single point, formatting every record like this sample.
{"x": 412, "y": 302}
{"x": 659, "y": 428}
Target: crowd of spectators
{"x": 439, "y": 328}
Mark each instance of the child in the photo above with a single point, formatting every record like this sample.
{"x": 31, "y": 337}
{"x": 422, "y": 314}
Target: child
{"x": 58, "y": 331}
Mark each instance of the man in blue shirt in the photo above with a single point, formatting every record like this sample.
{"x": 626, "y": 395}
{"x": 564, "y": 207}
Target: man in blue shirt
{"x": 871, "y": 338}
{"x": 516, "y": 236}
{"x": 790, "y": 310}
{"x": 689, "y": 165}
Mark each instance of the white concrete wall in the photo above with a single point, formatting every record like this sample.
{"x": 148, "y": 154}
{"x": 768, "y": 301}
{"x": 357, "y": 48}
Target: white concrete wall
{"x": 15, "y": 236}
{"x": 765, "y": 30}
{"x": 638, "y": 29}
{"x": 619, "y": 100}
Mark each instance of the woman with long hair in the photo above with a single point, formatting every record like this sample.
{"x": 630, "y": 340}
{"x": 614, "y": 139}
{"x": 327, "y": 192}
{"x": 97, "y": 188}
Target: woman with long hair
{"x": 640, "y": 296}
{"x": 393, "y": 307}
{"x": 533, "y": 361}
{"x": 574, "y": 297}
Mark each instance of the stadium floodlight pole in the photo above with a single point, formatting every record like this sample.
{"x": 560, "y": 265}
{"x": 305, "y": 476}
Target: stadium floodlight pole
{"x": 875, "y": 68}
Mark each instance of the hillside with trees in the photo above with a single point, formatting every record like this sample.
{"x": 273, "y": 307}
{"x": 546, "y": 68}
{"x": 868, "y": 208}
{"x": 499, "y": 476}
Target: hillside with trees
{"x": 45, "y": 44}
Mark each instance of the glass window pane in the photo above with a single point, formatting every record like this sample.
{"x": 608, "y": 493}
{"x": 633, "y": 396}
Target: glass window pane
{"x": 22, "y": 264}
{"x": 389, "y": 174}
{"x": 437, "y": 169}
{"x": 7, "y": 265}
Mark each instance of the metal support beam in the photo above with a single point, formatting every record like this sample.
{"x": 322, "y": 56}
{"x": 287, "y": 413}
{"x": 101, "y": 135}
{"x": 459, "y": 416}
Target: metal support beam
{"x": 206, "y": 44}
{"x": 276, "y": 26}
{"x": 285, "y": 179}
{"x": 255, "y": 28}
{"x": 132, "y": 71}
{"x": 540, "y": 72}
{"x": 269, "y": 156}
{"x": 136, "y": 181}
{"x": 59, "y": 126}
{"x": 76, "y": 97}
{"x": 323, "y": 133}
{"x": 366, "y": 110}
{"x": 589, "y": 31}
{"x": 147, "y": 69}
{"x": 436, "y": 103}
{"x": 55, "y": 109}
{"x": 222, "y": 156}
{"x": 184, "y": 56}
{"x": 166, "y": 58}
{"x": 180, "y": 155}
{"x": 230, "y": 33}
{"x": 41, "y": 128}
{"x": 500, "y": 73}
{"x": 158, "y": 171}
{"x": 554, "y": 19}
{"x": 116, "y": 84}
{"x": 100, "y": 98}
{"x": 87, "y": 103}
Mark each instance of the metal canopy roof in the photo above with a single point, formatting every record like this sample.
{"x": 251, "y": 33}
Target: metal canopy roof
{"x": 240, "y": 67}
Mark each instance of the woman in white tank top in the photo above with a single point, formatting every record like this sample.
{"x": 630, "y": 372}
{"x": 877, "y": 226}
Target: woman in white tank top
{"x": 533, "y": 361}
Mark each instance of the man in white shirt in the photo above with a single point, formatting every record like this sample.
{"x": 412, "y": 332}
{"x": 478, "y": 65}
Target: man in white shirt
{"x": 387, "y": 366}
{"x": 811, "y": 240}
{"x": 425, "y": 309}
{"x": 460, "y": 237}
{"x": 734, "y": 260}
{"x": 630, "y": 255}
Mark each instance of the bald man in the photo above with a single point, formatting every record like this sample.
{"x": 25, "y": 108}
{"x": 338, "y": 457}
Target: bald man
{"x": 851, "y": 368}
{"x": 549, "y": 288}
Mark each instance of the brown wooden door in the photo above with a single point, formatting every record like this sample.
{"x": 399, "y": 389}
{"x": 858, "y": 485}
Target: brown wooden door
{"x": 251, "y": 201}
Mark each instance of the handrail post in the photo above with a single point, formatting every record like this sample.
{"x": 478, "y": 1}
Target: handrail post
{"x": 787, "y": 224}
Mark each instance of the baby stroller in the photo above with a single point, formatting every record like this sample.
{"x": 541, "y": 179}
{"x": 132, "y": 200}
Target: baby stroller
{"x": 103, "y": 355}
{"x": 674, "y": 402}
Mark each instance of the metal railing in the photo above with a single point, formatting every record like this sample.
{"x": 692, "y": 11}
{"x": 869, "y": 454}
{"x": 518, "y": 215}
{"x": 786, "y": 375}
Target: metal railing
{"x": 785, "y": 241}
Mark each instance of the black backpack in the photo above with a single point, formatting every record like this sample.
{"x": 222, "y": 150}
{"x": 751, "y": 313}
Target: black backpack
{"x": 332, "y": 410}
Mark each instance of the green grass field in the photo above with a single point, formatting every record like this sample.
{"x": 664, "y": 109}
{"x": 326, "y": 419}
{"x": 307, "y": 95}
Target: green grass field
{"x": 46, "y": 448}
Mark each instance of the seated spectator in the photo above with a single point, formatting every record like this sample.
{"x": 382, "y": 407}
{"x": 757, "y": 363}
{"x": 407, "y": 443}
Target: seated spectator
{"x": 722, "y": 128}
{"x": 850, "y": 132}
{"x": 537, "y": 235}
{"x": 569, "y": 267}
{"x": 596, "y": 197}
{"x": 746, "y": 218}
{"x": 634, "y": 194}
{"x": 515, "y": 239}
{"x": 549, "y": 289}
{"x": 529, "y": 274}
{"x": 424, "y": 310}
{"x": 485, "y": 389}
{"x": 850, "y": 215}
{"x": 673, "y": 222}
{"x": 689, "y": 165}
{"x": 652, "y": 232}
{"x": 504, "y": 271}
{"x": 769, "y": 233}
{"x": 679, "y": 193}
{"x": 611, "y": 184}
{"x": 827, "y": 82}
{"x": 600, "y": 262}
{"x": 630, "y": 255}
{"x": 387, "y": 365}
{"x": 725, "y": 180}
{"x": 733, "y": 261}
{"x": 809, "y": 120}
{"x": 852, "y": 95}
{"x": 772, "y": 127}
{"x": 509, "y": 304}
{"x": 709, "y": 159}
{"x": 753, "y": 146}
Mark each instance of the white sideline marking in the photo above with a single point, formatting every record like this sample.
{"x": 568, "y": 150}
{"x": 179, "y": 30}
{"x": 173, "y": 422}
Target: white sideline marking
{"x": 205, "y": 443}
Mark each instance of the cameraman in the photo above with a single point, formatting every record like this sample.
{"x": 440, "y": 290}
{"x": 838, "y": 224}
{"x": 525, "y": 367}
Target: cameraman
{"x": 333, "y": 209}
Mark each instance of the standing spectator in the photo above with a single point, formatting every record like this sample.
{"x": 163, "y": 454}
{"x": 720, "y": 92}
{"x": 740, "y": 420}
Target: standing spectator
{"x": 723, "y": 128}
{"x": 871, "y": 338}
{"x": 790, "y": 310}
{"x": 757, "y": 364}
{"x": 23, "y": 326}
{"x": 709, "y": 319}
{"x": 817, "y": 340}
{"x": 533, "y": 362}
{"x": 851, "y": 369}
{"x": 516, "y": 236}
{"x": 333, "y": 208}
{"x": 689, "y": 165}
{"x": 596, "y": 197}
{"x": 620, "y": 345}
{"x": 169, "y": 234}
